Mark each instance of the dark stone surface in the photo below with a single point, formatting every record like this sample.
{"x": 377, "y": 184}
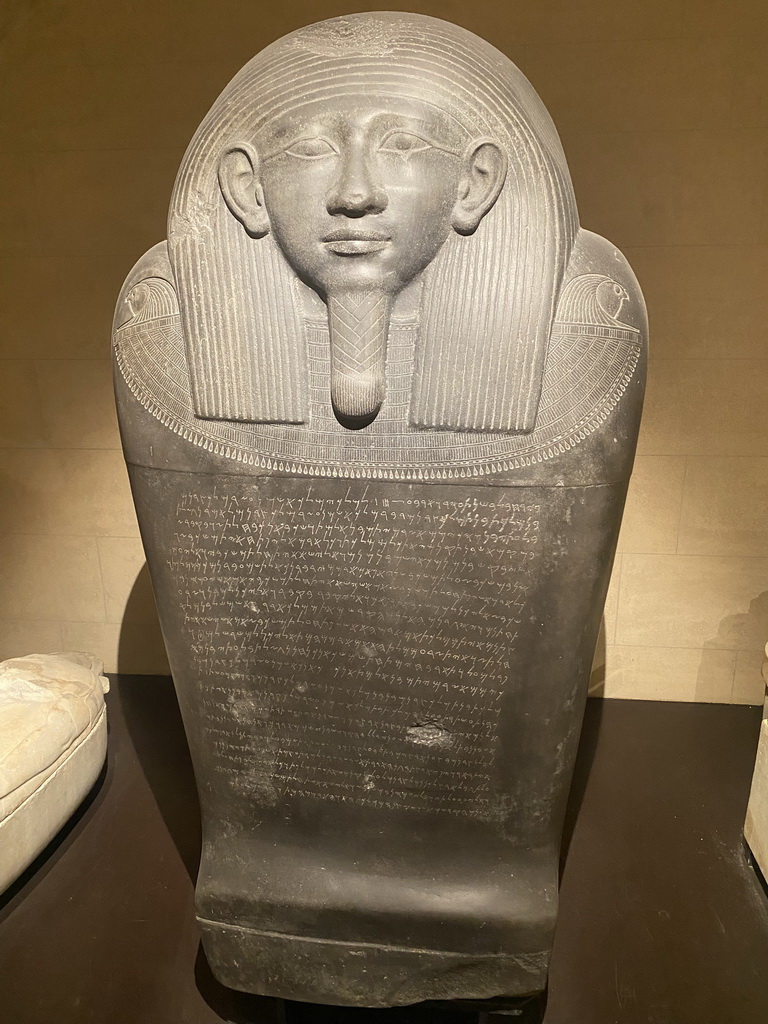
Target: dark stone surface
{"x": 379, "y": 397}
{"x": 662, "y": 920}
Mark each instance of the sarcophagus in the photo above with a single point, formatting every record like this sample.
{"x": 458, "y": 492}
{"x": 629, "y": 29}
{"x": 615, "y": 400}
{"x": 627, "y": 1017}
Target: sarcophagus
{"x": 379, "y": 396}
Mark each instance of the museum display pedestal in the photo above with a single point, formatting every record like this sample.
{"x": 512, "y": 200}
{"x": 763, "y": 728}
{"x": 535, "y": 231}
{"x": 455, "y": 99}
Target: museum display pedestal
{"x": 102, "y": 928}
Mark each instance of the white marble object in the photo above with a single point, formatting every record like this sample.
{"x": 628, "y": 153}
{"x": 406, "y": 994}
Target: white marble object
{"x": 53, "y": 741}
{"x": 756, "y": 824}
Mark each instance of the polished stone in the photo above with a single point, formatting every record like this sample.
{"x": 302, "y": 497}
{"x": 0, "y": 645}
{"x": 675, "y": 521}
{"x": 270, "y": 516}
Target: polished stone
{"x": 379, "y": 396}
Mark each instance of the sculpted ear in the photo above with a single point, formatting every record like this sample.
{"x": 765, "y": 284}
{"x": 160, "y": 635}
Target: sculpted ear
{"x": 485, "y": 169}
{"x": 239, "y": 181}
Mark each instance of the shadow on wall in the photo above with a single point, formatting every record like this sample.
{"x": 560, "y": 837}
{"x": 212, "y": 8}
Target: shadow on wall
{"x": 154, "y": 724}
{"x": 745, "y": 634}
{"x": 141, "y": 649}
{"x": 597, "y": 676}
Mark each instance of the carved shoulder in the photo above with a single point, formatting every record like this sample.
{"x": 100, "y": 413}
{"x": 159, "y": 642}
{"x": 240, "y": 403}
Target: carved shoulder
{"x": 149, "y": 291}
{"x": 150, "y": 370}
{"x": 600, "y": 288}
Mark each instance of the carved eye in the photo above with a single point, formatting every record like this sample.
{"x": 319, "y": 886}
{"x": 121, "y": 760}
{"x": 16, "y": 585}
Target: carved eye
{"x": 404, "y": 143}
{"x": 314, "y": 148}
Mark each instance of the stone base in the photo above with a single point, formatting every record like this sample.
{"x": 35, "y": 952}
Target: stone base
{"x": 362, "y": 974}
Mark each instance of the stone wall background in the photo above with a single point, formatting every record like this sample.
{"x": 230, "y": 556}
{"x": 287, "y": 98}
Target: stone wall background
{"x": 663, "y": 110}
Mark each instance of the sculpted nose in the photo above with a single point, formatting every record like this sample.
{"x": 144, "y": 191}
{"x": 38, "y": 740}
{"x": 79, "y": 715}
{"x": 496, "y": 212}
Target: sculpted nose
{"x": 356, "y": 192}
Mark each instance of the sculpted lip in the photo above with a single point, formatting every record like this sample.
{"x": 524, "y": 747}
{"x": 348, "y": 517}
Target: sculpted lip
{"x": 355, "y": 242}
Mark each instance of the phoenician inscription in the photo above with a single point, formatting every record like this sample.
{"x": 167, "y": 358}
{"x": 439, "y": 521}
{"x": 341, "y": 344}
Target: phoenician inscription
{"x": 355, "y": 648}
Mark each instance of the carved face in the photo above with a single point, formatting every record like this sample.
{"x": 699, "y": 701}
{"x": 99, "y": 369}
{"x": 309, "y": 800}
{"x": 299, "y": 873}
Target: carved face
{"x": 351, "y": 155}
{"x": 362, "y": 196}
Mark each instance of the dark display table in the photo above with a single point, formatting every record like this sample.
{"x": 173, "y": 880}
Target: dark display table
{"x": 662, "y": 920}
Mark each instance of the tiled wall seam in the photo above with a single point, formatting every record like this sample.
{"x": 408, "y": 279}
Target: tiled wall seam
{"x": 670, "y": 164}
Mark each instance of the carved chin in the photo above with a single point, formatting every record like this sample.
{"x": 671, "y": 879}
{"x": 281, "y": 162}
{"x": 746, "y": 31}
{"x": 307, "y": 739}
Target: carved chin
{"x": 357, "y": 399}
{"x": 358, "y": 324}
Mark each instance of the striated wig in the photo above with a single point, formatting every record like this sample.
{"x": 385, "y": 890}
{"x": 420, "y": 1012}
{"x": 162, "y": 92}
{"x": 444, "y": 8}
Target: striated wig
{"x": 488, "y": 299}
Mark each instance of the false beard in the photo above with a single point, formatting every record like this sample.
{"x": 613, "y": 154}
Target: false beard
{"x": 359, "y": 324}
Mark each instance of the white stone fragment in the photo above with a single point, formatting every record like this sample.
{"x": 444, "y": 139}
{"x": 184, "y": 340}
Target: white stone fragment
{"x": 53, "y": 741}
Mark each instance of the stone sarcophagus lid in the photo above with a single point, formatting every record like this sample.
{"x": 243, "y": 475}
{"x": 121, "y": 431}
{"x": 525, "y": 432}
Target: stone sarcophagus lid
{"x": 379, "y": 396}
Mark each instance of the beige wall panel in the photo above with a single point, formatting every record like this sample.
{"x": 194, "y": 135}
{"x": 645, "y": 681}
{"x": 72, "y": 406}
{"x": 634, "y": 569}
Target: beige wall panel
{"x": 109, "y": 107}
{"x": 652, "y": 513}
{"x": 77, "y": 403}
{"x": 705, "y": 302}
{"x": 103, "y": 203}
{"x": 705, "y": 407}
{"x": 131, "y": 647}
{"x": 507, "y": 24}
{"x": 612, "y": 602}
{"x": 748, "y": 682}
{"x": 693, "y": 601}
{"x": 665, "y": 119}
{"x": 30, "y": 637}
{"x": 751, "y": 85}
{"x": 78, "y": 30}
{"x": 597, "y": 673}
{"x": 669, "y": 673}
{"x": 59, "y": 307}
{"x": 717, "y": 18}
{"x": 54, "y": 578}
{"x": 587, "y": 87}
{"x": 19, "y": 220}
{"x": 671, "y": 188}
{"x": 725, "y": 507}
{"x": 748, "y": 17}
{"x": 607, "y": 631}
{"x": 65, "y": 492}
{"x": 21, "y": 420}
{"x": 127, "y": 588}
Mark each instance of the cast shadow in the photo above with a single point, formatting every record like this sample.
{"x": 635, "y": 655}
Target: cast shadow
{"x": 242, "y": 1008}
{"x": 747, "y": 631}
{"x": 50, "y": 855}
{"x": 590, "y": 735}
{"x": 154, "y": 726}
